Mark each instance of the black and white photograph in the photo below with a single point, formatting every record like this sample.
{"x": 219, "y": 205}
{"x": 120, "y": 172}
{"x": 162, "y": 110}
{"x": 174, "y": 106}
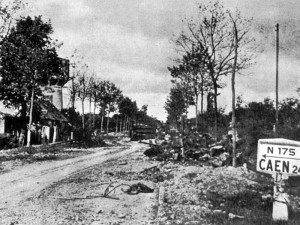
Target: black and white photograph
{"x": 149, "y": 112}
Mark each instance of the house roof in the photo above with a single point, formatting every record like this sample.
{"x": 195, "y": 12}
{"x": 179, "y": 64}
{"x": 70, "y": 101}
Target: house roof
{"x": 50, "y": 112}
{"x": 7, "y": 112}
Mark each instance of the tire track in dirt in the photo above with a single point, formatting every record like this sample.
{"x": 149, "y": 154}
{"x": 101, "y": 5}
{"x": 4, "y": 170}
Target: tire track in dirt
{"x": 29, "y": 180}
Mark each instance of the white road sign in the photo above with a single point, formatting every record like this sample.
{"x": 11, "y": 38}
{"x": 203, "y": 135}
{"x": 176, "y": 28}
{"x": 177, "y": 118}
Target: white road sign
{"x": 278, "y": 155}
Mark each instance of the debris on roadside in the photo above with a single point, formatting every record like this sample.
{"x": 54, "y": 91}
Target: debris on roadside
{"x": 122, "y": 162}
{"x": 233, "y": 216}
{"x": 138, "y": 188}
{"x": 142, "y": 131}
{"x": 153, "y": 151}
{"x": 132, "y": 189}
{"x": 191, "y": 146}
{"x": 86, "y": 197}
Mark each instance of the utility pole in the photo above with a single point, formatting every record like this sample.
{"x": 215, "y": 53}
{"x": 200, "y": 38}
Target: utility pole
{"x": 277, "y": 56}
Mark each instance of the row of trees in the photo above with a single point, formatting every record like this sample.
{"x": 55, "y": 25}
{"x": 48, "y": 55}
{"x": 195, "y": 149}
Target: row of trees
{"x": 214, "y": 44}
{"x": 30, "y": 63}
{"x": 103, "y": 97}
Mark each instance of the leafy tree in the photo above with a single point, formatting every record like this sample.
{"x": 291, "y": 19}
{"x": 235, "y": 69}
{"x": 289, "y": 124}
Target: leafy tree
{"x": 28, "y": 60}
{"x": 255, "y": 120}
{"x": 28, "y": 63}
{"x": 175, "y": 104}
{"x": 262, "y": 114}
{"x": 144, "y": 108}
{"x": 182, "y": 79}
{"x": 128, "y": 109}
{"x": 191, "y": 73}
{"x": 110, "y": 99}
{"x": 289, "y": 112}
{"x": 142, "y": 113}
{"x": 199, "y": 79}
{"x": 289, "y": 117}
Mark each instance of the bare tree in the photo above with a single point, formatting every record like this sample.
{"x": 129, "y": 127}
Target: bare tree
{"x": 9, "y": 12}
{"x": 211, "y": 32}
{"x": 240, "y": 31}
{"x": 95, "y": 87}
{"x": 78, "y": 66}
{"x": 82, "y": 84}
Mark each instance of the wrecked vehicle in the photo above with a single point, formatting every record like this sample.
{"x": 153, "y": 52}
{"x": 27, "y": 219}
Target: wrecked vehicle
{"x": 189, "y": 146}
{"x": 141, "y": 132}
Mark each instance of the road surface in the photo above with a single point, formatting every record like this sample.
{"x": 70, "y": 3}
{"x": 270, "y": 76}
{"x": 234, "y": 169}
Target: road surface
{"x": 29, "y": 180}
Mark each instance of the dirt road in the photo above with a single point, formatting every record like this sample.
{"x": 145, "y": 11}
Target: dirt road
{"x": 29, "y": 180}
{"x": 70, "y": 192}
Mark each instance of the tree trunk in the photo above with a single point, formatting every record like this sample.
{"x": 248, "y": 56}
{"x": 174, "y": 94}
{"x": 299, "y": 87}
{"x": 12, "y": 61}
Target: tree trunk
{"x": 202, "y": 97}
{"x": 94, "y": 115}
{"x": 233, "y": 94}
{"x": 124, "y": 124}
{"x": 90, "y": 116}
{"x": 107, "y": 123}
{"x": 233, "y": 119}
{"x": 216, "y": 107}
{"x": 127, "y": 123}
{"x": 196, "y": 106}
{"x": 121, "y": 121}
{"x": 117, "y": 124}
{"x": 102, "y": 120}
{"x": 30, "y": 119}
{"x": 82, "y": 106}
{"x": 186, "y": 102}
{"x": 23, "y": 109}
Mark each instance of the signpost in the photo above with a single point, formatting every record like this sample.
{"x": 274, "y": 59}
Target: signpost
{"x": 281, "y": 158}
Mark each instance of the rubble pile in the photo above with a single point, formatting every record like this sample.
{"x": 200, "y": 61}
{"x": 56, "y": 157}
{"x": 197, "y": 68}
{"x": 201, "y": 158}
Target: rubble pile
{"x": 142, "y": 131}
{"x": 191, "y": 146}
{"x": 198, "y": 193}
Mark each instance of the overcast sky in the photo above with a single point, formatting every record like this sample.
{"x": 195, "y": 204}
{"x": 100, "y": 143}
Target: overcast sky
{"x": 128, "y": 43}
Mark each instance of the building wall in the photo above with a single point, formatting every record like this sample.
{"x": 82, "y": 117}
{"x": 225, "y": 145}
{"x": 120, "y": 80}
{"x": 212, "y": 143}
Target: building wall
{"x": 56, "y": 97}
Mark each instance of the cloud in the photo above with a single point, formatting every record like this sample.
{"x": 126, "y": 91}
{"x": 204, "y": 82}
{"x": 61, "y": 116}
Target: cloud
{"x": 155, "y": 102}
{"x": 127, "y": 42}
{"x": 135, "y": 80}
{"x": 155, "y": 18}
{"x": 66, "y": 10}
{"x": 261, "y": 83}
